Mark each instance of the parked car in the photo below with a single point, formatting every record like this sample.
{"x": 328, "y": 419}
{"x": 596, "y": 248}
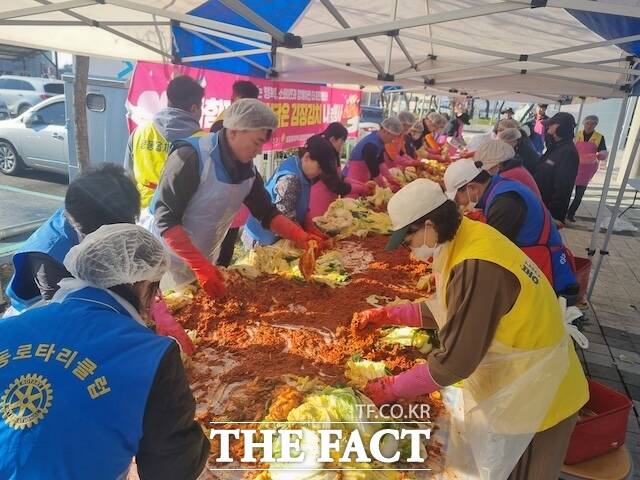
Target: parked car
{"x": 21, "y": 93}
{"x": 4, "y": 111}
{"x": 36, "y": 139}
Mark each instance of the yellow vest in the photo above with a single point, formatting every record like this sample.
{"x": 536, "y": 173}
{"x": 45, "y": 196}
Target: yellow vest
{"x": 150, "y": 151}
{"x": 534, "y": 322}
{"x": 595, "y": 138}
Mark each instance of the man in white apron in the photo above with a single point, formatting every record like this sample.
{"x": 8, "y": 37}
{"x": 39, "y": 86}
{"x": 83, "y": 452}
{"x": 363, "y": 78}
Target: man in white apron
{"x": 205, "y": 182}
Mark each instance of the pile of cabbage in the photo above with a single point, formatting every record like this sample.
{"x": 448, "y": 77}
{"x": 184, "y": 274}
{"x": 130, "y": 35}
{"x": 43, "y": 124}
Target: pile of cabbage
{"x": 348, "y": 217}
{"x": 282, "y": 258}
{"x": 338, "y": 409}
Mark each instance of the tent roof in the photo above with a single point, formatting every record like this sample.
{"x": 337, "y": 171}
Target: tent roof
{"x": 484, "y": 48}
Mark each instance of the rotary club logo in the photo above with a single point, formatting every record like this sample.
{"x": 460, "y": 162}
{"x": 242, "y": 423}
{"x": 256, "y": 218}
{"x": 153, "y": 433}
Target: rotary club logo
{"x": 26, "y": 401}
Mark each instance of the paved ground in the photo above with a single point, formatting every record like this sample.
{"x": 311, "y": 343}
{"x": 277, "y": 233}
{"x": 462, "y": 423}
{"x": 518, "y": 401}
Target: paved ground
{"x": 612, "y": 324}
{"x": 31, "y": 197}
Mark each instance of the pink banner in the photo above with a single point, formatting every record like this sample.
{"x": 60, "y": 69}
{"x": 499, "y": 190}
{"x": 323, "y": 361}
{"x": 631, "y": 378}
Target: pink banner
{"x": 302, "y": 109}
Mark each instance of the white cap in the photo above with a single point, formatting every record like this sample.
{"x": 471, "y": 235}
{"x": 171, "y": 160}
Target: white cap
{"x": 411, "y": 203}
{"x": 249, "y": 114}
{"x": 493, "y": 153}
{"x": 458, "y": 174}
{"x": 392, "y": 125}
{"x": 118, "y": 254}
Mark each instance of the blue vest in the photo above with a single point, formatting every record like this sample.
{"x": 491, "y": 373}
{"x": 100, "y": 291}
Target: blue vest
{"x": 538, "y": 229}
{"x": 291, "y": 166}
{"x": 54, "y": 238}
{"x": 356, "y": 153}
{"x": 75, "y": 412}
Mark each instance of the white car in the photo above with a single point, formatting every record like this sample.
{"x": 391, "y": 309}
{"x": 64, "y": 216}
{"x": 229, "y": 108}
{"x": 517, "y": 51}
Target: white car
{"x": 36, "y": 139}
{"x": 21, "y": 93}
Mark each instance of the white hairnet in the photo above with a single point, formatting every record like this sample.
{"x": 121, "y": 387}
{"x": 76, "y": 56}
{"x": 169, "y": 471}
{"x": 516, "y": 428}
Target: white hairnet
{"x": 438, "y": 119}
{"x": 591, "y": 118}
{"x": 507, "y": 123}
{"x": 418, "y": 127}
{"x": 493, "y": 153}
{"x": 407, "y": 118}
{"x": 509, "y": 135}
{"x": 249, "y": 114}
{"x": 392, "y": 125}
{"x": 118, "y": 254}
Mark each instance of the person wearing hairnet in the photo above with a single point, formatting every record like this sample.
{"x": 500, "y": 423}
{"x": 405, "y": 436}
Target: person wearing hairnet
{"x": 205, "y": 182}
{"x": 239, "y": 89}
{"x": 367, "y": 162}
{"x": 523, "y": 384}
{"x": 87, "y": 386}
{"x": 433, "y": 124}
{"x": 290, "y": 189}
{"x": 556, "y": 173}
{"x": 400, "y": 153}
{"x": 520, "y": 142}
{"x": 516, "y": 212}
{"x": 496, "y": 158}
{"x": 592, "y": 150}
{"x": 332, "y": 185}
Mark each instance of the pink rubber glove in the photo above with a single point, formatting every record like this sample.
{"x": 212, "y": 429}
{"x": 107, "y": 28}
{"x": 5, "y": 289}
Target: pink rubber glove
{"x": 360, "y": 189}
{"x": 602, "y": 155}
{"x": 384, "y": 172}
{"x": 408, "y": 385}
{"x": 167, "y": 326}
{"x": 407, "y": 161}
{"x": 405, "y": 314}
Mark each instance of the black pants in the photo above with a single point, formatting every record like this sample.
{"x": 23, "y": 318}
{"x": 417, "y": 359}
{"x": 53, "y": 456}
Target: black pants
{"x": 226, "y": 249}
{"x": 573, "y": 208}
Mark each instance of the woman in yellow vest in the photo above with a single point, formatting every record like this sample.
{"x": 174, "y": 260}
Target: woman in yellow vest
{"x": 502, "y": 333}
{"x": 149, "y": 145}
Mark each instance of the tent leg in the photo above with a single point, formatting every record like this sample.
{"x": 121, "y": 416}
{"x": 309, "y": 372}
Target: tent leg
{"x": 614, "y": 216}
{"x": 579, "y": 119}
{"x": 591, "y": 251}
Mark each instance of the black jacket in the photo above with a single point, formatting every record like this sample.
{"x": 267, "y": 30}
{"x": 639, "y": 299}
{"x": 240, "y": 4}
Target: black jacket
{"x": 556, "y": 176}
{"x": 527, "y": 152}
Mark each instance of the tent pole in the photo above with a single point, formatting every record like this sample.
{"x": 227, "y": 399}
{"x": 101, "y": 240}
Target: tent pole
{"x": 387, "y": 63}
{"x": 614, "y": 216}
{"x": 579, "y": 119}
{"x": 591, "y": 251}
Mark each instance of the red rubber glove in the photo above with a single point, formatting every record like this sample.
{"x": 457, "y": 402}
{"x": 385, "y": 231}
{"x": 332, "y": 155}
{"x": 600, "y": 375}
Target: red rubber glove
{"x": 285, "y": 228}
{"x": 406, "y": 314}
{"x": 408, "y": 385}
{"x": 361, "y": 189}
{"x": 167, "y": 326}
{"x": 476, "y": 214}
{"x": 208, "y": 275}
{"x": 312, "y": 228}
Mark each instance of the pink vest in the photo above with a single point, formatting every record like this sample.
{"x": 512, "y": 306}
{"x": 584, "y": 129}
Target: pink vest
{"x": 522, "y": 176}
{"x": 588, "y": 160}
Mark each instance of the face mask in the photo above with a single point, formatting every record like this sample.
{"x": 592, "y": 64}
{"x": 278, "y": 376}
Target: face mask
{"x": 424, "y": 251}
{"x": 471, "y": 204}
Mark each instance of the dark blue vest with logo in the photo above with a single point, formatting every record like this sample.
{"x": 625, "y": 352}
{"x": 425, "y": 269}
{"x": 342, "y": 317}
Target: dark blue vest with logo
{"x": 291, "y": 166}
{"x": 356, "y": 153}
{"x": 74, "y": 382}
{"x": 54, "y": 238}
{"x": 538, "y": 231}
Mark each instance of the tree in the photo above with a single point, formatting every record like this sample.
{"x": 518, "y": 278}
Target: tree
{"x": 80, "y": 111}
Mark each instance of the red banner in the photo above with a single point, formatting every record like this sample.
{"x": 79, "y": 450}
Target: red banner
{"x": 302, "y": 109}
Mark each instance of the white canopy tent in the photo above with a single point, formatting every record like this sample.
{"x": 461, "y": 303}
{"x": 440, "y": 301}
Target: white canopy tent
{"x": 516, "y": 49}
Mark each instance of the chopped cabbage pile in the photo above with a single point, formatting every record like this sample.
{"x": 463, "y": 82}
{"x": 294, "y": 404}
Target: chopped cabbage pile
{"x": 348, "y": 217}
{"x": 282, "y": 258}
